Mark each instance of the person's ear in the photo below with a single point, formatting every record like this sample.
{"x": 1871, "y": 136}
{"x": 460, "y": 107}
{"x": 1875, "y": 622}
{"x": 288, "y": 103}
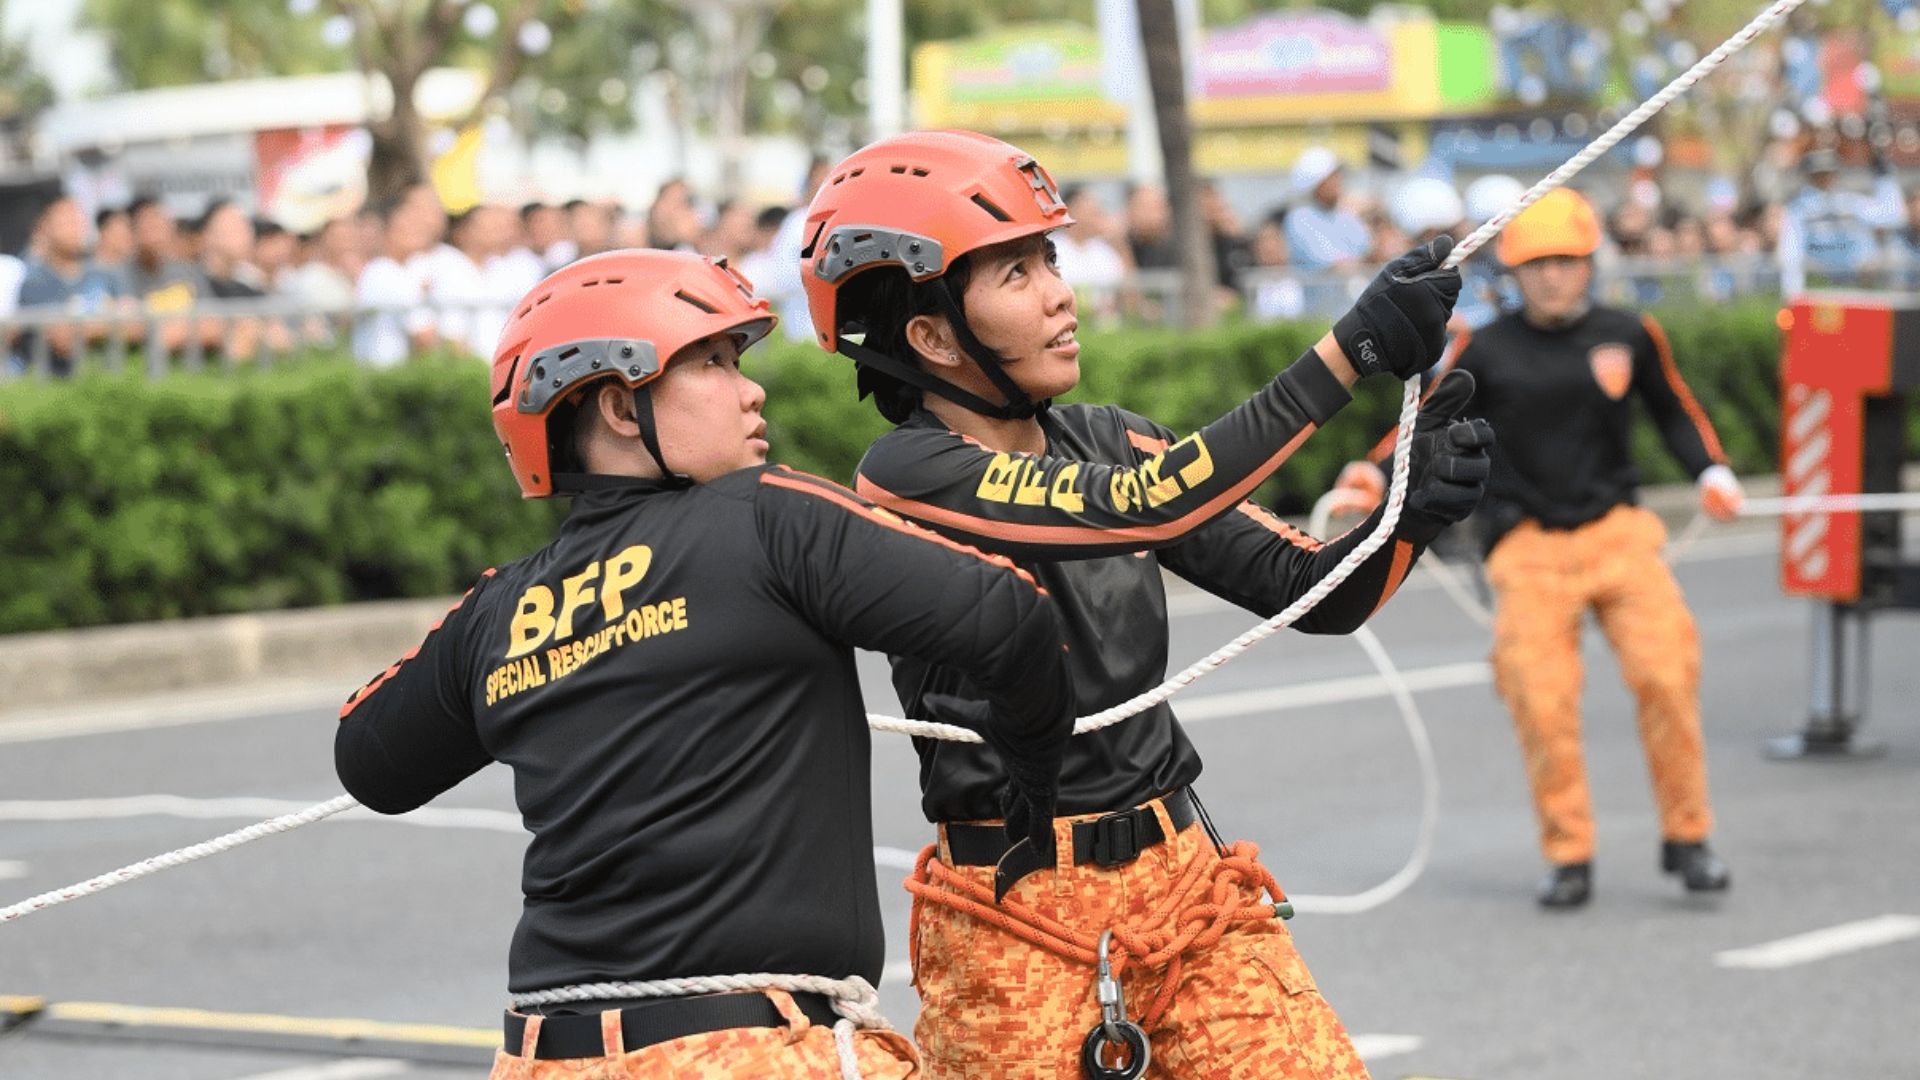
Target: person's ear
{"x": 615, "y": 403}
{"x": 933, "y": 339}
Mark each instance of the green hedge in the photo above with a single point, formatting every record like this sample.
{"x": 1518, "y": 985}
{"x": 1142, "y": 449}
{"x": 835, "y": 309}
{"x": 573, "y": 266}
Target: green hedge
{"x": 319, "y": 482}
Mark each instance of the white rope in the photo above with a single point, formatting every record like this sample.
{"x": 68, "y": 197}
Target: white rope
{"x": 854, "y": 999}
{"x": 179, "y": 858}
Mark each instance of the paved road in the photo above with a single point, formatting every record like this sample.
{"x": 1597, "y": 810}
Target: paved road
{"x": 1461, "y": 978}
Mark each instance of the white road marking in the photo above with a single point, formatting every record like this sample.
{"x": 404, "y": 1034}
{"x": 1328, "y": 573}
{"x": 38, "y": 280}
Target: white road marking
{"x": 1372, "y": 1048}
{"x": 129, "y": 806}
{"x": 1822, "y": 944}
{"x": 9, "y": 869}
{"x": 350, "y": 1069}
{"x": 1327, "y": 691}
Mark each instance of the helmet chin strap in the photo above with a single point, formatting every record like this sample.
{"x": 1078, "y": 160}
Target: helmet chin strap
{"x": 650, "y": 436}
{"x": 1018, "y": 406}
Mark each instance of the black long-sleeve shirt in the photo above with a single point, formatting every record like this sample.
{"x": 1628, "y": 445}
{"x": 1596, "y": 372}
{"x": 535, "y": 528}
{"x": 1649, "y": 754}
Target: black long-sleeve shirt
{"x": 1560, "y": 401}
{"x": 672, "y": 682}
{"x": 1115, "y": 498}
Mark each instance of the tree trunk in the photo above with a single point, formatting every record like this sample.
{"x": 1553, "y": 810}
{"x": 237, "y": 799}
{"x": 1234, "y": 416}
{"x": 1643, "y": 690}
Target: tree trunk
{"x": 397, "y": 159}
{"x": 1166, "y": 76}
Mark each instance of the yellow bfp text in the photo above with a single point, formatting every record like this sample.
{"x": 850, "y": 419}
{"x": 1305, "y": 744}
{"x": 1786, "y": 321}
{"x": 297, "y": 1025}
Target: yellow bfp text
{"x": 535, "y": 619}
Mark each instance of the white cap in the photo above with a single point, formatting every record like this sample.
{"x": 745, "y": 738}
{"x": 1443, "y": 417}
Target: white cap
{"x": 1425, "y": 203}
{"x": 1314, "y": 165}
{"x": 1491, "y": 194}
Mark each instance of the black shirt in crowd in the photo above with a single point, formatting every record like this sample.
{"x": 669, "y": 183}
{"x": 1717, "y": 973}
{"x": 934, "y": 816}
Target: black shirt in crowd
{"x": 672, "y": 682}
{"x": 1116, "y": 499}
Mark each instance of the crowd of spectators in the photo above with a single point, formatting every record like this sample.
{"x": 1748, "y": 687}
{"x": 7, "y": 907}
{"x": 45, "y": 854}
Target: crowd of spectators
{"x": 403, "y": 277}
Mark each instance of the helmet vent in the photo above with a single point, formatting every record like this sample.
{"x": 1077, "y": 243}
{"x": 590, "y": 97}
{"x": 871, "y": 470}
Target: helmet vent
{"x": 506, "y": 387}
{"x": 898, "y": 170}
{"x": 569, "y": 353}
{"x": 590, "y": 284}
{"x": 544, "y": 297}
{"x": 813, "y": 241}
{"x": 615, "y": 280}
{"x": 987, "y": 204}
{"x": 920, "y": 172}
{"x": 697, "y": 302}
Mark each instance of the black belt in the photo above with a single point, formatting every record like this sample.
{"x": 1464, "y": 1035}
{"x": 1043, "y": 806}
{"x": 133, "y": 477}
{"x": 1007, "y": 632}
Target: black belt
{"x": 572, "y": 1035}
{"x": 1110, "y": 840}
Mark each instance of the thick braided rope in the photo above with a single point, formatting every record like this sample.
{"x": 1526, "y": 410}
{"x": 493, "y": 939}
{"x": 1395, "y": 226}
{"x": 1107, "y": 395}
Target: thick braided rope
{"x": 179, "y": 858}
{"x": 854, "y": 998}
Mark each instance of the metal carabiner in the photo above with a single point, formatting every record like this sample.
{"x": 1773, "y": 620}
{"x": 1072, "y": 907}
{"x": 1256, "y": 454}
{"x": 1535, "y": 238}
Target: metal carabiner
{"x": 1114, "y": 1029}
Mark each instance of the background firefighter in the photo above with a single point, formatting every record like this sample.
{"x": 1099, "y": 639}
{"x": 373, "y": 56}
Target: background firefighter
{"x": 1564, "y": 535}
{"x": 676, "y": 663}
{"x": 931, "y": 250}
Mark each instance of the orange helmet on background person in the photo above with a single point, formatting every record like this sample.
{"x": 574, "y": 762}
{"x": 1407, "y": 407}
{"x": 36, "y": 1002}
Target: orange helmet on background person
{"x": 617, "y": 315}
{"x": 920, "y": 202}
{"x": 1561, "y": 223}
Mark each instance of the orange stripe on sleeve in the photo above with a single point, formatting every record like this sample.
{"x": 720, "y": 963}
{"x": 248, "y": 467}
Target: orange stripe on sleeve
{"x": 794, "y": 480}
{"x": 380, "y": 680}
{"x": 1396, "y": 574}
{"x": 1071, "y": 535}
{"x": 1274, "y": 525}
{"x": 1672, "y": 371}
{"x": 1146, "y": 444}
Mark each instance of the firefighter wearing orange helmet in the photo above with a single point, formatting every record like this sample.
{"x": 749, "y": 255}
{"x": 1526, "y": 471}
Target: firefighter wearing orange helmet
{"x": 675, "y": 663}
{"x": 927, "y": 262}
{"x": 1564, "y": 535}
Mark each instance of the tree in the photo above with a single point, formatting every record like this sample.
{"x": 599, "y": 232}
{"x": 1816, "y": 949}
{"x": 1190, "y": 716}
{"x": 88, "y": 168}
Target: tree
{"x": 1166, "y": 77}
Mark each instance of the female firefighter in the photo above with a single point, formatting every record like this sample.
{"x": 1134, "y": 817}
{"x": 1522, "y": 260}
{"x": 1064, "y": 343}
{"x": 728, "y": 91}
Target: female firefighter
{"x": 1564, "y": 534}
{"x": 932, "y": 248}
{"x": 676, "y": 663}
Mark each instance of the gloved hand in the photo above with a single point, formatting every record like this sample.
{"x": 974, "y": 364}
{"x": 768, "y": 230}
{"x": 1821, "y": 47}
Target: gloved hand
{"x": 1449, "y": 463}
{"x": 1358, "y": 490}
{"x": 1721, "y": 495}
{"x": 1033, "y": 789}
{"x": 1399, "y": 324}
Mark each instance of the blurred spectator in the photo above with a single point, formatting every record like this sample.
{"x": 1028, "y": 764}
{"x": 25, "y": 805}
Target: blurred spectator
{"x": 544, "y": 232}
{"x": 1227, "y": 236}
{"x": 333, "y": 264}
{"x": 472, "y": 283}
{"x": 1425, "y": 207}
{"x": 113, "y": 237}
{"x": 392, "y": 289}
{"x": 591, "y": 226}
{"x": 163, "y": 282}
{"x": 766, "y": 226}
{"x": 1275, "y": 294}
{"x": 1150, "y": 229}
{"x": 58, "y": 274}
{"x": 776, "y": 274}
{"x": 1828, "y": 233}
{"x": 629, "y": 229}
{"x": 226, "y": 242}
{"x": 673, "y": 223}
{"x": 276, "y": 254}
{"x": 1320, "y": 234}
{"x": 732, "y": 236}
{"x": 1088, "y": 260}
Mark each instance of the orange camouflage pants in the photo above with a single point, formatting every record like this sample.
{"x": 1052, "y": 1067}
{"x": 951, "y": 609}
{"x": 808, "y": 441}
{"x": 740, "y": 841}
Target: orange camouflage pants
{"x": 995, "y": 1007}
{"x": 1545, "y": 582}
{"x": 801, "y": 1051}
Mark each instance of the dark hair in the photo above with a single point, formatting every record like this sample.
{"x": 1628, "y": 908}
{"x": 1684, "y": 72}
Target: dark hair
{"x": 574, "y": 204}
{"x": 880, "y": 303}
{"x": 266, "y": 228}
{"x": 530, "y": 209}
{"x": 108, "y": 213}
{"x": 772, "y": 216}
{"x": 144, "y": 202}
{"x": 387, "y": 207}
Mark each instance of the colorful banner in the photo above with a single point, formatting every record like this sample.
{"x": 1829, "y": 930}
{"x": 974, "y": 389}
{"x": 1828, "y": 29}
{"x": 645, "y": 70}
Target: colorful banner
{"x": 1309, "y": 52}
{"x": 306, "y": 177}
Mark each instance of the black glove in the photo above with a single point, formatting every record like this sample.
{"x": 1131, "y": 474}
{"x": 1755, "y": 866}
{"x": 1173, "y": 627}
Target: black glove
{"x": 1449, "y": 462}
{"x": 1399, "y": 324}
{"x": 1033, "y": 788}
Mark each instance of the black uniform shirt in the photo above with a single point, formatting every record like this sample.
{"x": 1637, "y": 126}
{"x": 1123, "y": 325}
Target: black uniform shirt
{"x": 672, "y": 682}
{"x": 1559, "y": 401}
{"x": 1114, "y": 499}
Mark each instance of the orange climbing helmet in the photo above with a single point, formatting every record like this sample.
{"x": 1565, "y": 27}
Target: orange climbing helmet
{"x": 617, "y": 315}
{"x": 919, "y": 201}
{"x": 1561, "y": 223}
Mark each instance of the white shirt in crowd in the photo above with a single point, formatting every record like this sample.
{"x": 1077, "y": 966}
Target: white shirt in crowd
{"x": 393, "y": 299}
{"x": 1089, "y": 264}
{"x": 775, "y": 273}
{"x": 474, "y": 300}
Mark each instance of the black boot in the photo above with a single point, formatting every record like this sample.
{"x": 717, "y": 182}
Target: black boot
{"x": 1699, "y": 868}
{"x": 1568, "y": 886}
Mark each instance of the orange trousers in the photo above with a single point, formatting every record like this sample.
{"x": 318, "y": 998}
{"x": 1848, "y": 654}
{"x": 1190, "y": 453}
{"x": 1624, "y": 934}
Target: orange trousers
{"x": 1545, "y": 582}
{"x": 801, "y": 1051}
{"x": 994, "y": 1007}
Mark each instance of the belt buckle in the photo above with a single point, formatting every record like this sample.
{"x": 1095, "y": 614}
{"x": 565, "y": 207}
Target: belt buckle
{"x": 1116, "y": 839}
